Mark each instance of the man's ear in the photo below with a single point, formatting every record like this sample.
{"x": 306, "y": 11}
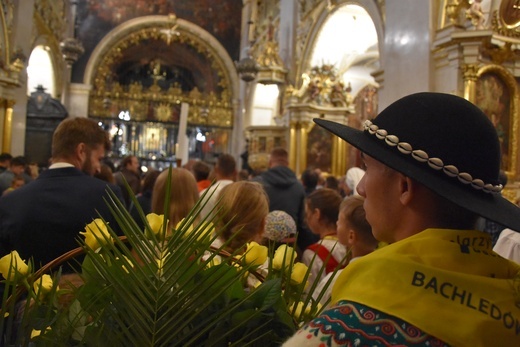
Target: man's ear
{"x": 352, "y": 237}
{"x": 407, "y": 189}
{"x": 81, "y": 151}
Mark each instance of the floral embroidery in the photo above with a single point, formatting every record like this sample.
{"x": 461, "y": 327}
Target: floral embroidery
{"x": 353, "y": 324}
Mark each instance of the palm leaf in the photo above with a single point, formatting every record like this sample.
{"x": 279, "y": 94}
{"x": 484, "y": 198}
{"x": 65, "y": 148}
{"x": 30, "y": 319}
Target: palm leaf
{"x": 141, "y": 290}
{"x": 178, "y": 302}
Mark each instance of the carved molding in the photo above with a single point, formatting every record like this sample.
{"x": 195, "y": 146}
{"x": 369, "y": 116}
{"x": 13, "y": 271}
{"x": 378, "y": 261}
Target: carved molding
{"x": 52, "y": 16}
{"x": 12, "y": 61}
{"x": 499, "y": 54}
{"x": 470, "y": 72}
{"x": 6, "y": 27}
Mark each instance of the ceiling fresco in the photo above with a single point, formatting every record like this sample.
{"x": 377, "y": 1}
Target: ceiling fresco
{"x": 95, "y": 18}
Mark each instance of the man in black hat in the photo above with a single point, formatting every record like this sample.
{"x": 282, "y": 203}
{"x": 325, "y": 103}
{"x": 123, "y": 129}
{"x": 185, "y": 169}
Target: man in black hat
{"x": 432, "y": 168}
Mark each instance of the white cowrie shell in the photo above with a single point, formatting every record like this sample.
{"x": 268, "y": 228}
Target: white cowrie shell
{"x": 477, "y": 184}
{"x": 450, "y": 170}
{"x": 392, "y": 140}
{"x": 420, "y": 155}
{"x": 435, "y": 163}
{"x": 404, "y": 147}
{"x": 381, "y": 133}
{"x": 465, "y": 177}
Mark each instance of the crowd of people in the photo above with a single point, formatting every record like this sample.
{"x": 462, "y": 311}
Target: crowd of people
{"x": 436, "y": 281}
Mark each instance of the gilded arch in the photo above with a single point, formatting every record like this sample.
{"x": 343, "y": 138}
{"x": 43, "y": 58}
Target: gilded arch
{"x": 218, "y": 101}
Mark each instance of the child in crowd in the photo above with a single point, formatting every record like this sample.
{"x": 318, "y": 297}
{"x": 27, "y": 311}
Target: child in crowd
{"x": 321, "y": 212}
{"x": 16, "y": 183}
{"x": 280, "y": 228}
{"x": 240, "y": 215}
{"x": 355, "y": 233}
{"x": 183, "y": 195}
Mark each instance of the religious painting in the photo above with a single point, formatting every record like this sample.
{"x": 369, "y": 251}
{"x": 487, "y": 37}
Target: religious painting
{"x": 496, "y": 95}
{"x": 319, "y": 149}
{"x": 154, "y": 139}
{"x": 95, "y": 18}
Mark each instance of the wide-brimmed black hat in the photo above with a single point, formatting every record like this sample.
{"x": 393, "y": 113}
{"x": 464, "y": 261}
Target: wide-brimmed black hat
{"x": 442, "y": 141}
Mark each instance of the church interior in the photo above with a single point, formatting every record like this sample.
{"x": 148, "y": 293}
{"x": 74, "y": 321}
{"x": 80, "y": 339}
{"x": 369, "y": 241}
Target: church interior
{"x": 178, "y": 80}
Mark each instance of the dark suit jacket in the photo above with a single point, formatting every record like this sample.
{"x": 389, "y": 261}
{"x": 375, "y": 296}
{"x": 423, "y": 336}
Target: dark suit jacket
{"x": 43, "y": 219}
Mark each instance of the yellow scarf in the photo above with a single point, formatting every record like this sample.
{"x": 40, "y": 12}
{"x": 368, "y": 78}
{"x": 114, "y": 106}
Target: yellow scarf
{"x": 449, "y": 283}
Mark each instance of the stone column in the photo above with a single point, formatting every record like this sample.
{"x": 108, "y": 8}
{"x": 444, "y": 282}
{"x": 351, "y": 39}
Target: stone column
{"x": 71, "y": 50}
{"x": 407, "y": 34}
{"x": 23, "y": 39}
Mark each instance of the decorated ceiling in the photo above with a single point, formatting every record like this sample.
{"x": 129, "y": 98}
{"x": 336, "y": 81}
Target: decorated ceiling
{"x": 95, "y": 18}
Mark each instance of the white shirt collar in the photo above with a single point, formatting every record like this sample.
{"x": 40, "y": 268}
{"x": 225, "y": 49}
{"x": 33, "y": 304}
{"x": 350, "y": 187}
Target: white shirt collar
{"x": 60, "y": 165}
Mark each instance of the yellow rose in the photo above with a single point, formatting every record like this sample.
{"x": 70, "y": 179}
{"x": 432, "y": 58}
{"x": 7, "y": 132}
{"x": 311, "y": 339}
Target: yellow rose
{"x": 12, "y": 263}
{"x": 299, "y": 270}
{"x": 299, "y": 312}
{"x": 156, "y": 223}
{"x": 187, "y": 231}
{"x": 36, "y": 333}
{"x": 214, "y": 262}
{"x": 207, "y": 230}
{"x": 202, "y": 230}
{"x": 43, "y": 285}
{"x": 283, "y": 257}
{"x": 96, "y": 234}
{"x": 255, "y": 254}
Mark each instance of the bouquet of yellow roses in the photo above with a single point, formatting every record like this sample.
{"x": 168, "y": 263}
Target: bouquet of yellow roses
{"x": 159, "y": 287}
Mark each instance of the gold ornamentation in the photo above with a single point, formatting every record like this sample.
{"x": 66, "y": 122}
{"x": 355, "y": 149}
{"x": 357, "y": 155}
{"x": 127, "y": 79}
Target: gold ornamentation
{"x": 163, "y": 112}
{"x": 469, "y": 71}
{"x": 454, "y": 10}
{"x": 322, "y": 86}
{"x": 220, "y": 111}
{"x": 499, "y": 26}
{"x": 500, "y": 54}
{"x": 52, "y": 14}
{"x": 509, "y": 12}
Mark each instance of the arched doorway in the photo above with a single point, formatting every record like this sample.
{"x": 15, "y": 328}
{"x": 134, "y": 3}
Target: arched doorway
{"x": 334, "y": 78}
{"x": 40, "y": 71}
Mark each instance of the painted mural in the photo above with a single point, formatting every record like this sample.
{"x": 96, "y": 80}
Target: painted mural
{"x": 221, "y": 18}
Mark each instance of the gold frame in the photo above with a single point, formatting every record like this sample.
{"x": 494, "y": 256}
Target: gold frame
{"x": 508, "y": 79}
